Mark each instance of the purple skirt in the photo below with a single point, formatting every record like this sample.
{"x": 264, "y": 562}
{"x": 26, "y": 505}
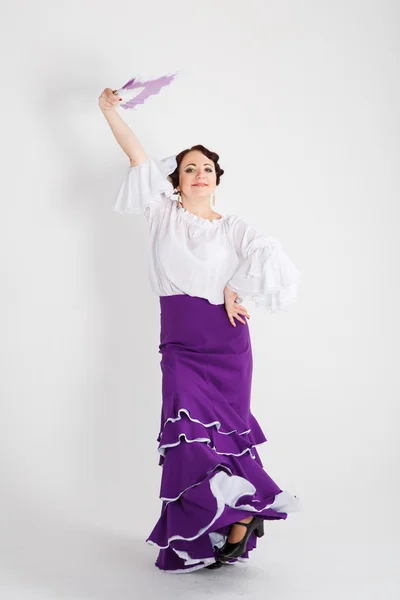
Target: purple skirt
{"x": 212, "y": 474}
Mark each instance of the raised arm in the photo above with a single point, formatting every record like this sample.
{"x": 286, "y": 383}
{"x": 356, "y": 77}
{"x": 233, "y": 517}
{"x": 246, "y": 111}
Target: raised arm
{"x": 122, "y": 132}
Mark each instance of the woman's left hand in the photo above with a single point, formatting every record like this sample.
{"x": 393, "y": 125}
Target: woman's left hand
{"x": 232, "y": 308}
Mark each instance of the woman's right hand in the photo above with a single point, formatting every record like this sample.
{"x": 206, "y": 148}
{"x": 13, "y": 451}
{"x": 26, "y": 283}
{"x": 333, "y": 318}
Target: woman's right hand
{"x": 108, "y": 100}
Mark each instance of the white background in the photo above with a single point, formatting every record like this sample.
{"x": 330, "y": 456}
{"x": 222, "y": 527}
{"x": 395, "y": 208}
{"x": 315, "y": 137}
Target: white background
{"x": 300, "y": 100}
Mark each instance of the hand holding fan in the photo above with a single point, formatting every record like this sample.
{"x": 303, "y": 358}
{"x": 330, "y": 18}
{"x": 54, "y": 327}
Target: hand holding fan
{"x": 136, "y": 92}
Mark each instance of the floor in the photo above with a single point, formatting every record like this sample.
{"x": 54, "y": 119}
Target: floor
{"x": 48, "y": 561}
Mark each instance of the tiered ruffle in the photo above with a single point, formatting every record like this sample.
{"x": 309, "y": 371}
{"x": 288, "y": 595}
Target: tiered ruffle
{"x": 143, "y": 186}
{"x": 212, "y": 476}
{"x": 237, "y": 435}
{"x": 266, "y": 276}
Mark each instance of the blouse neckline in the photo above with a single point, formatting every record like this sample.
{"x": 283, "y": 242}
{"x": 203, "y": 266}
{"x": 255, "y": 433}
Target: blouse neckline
{"x": 191, "y": 217}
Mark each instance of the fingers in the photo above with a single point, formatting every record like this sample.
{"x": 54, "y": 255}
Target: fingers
{"x": 111, "y": 95}
{"x": 231, "y": 318}
{"x": 234, "y": 312}
{"x": 241, "y": 320}
{"x": 108, "y": 100}
{"x": 243, "y": 310}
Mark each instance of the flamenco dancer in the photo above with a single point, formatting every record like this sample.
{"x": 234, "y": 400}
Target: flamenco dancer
{"x": 214, "y": 490}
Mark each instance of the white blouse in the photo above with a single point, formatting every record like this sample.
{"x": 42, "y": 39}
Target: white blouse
{"x": 195, "y": 256}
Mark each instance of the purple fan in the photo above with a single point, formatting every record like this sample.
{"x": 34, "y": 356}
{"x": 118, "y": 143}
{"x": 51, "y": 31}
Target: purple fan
{"x": 136, "y": 92}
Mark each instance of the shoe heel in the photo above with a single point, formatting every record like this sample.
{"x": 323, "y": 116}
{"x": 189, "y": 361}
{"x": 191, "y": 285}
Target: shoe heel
{"x": 259, "y": 530}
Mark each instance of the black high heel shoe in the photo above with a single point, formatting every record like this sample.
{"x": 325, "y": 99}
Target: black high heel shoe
{"x": 216, "y": 565}
{"x": 230, "y": 551}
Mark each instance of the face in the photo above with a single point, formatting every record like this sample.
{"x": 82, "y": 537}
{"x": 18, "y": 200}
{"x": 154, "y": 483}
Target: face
{"x": 197, "y": 176}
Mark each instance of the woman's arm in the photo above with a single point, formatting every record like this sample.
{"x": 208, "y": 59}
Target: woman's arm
{"x": 122, "y": 132}
{"x": 265, "y": 273}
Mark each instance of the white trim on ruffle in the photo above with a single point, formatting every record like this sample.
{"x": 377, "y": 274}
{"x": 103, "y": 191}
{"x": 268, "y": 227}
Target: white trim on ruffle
{"x": 194, "y": 484}
{"x": 181, "y": 571}
{"x": 204, "y": 561}
{"x": 192, "y": 561}
{"x": 227, "y": 490}
{"x": 207, "y": 441}
{"x": 217, "y": 539}
{"x": 216, "y": 423}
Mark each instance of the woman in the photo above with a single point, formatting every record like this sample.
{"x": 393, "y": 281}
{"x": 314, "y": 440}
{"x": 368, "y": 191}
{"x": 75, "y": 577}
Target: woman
{"x": 215, "y": 493}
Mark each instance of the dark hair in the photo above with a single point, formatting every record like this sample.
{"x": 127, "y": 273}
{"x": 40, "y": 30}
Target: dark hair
{"x": 179, "y": 157}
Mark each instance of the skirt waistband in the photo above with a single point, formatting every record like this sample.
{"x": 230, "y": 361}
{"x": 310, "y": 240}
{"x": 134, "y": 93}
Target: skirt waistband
{"x": 193, "y": 323}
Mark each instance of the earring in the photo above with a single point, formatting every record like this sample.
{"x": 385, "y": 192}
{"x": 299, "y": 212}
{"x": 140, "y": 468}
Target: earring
{"x": 179, "y": 199}
{"x": 213, "y": 200}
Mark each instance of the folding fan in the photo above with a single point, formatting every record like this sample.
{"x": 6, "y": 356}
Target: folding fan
{"x": 136, "y": 91}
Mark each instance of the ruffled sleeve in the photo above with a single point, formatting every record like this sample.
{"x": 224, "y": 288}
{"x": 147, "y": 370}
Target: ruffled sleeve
{"x": 265, "y": 274}
{"x": 143, "y": 186}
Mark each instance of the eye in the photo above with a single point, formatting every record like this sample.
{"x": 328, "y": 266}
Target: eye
{"x": 189, "y": 169}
